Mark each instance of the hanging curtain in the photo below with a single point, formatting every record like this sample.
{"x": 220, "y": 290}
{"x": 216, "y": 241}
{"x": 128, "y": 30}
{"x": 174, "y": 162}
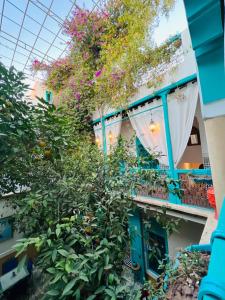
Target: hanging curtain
{"x": 98, "y": 135}
{"x": 112, "y": 130}
{"x": 153, "y": 141}
{"x": 181, "y": 106}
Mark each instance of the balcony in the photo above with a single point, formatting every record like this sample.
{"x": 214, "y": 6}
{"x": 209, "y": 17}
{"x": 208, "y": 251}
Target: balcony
{"x": 193, "y": 185}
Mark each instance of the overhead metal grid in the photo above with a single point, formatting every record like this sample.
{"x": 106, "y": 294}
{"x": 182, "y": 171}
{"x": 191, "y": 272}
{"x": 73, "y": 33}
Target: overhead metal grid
{"x": 20, "y": 44}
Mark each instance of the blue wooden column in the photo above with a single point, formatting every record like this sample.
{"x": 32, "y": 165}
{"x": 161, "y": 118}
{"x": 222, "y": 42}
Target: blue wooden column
{"x": 213, "y": 285}
{"x": 172, "y": 173}
{"x": 104, "y": 136}
{"x": 137, "y": 249}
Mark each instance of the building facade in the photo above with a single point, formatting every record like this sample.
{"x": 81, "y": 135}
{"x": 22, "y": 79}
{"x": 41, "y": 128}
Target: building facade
{"x": 166, "y": 120}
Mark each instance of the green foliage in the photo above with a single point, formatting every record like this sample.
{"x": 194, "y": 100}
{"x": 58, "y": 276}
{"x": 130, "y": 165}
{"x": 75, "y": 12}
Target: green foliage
{"x": 76, "y": 202}
{"x": 17, "y": 135}
{"x": 170, "y": 225}
{"x": 183, "y": 276}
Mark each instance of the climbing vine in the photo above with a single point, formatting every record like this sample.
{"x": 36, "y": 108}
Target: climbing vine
{"x": 109, "y": 53}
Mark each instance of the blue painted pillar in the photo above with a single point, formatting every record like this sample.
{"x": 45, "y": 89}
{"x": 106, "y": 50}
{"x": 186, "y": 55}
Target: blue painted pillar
{"x": 213, "y": 285}
{"x": 172, "y": 198}
{"x": 104, "y": 136}
{"x": 137, "y": 249}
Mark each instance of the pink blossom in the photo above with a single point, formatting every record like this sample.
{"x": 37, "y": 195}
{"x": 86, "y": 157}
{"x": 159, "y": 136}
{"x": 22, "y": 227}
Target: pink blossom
{"x": 98, "y": 73}
{"x": 90, "y": 82}
{"x": 77, "y": 96}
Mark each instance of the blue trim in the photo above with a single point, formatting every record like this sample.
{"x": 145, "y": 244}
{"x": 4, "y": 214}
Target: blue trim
{"x": 167, "y": 132}
{"x": 194, "y": 171}
{"x": 136, "y": 240}
{"x": 104, "y": 136}
{"x": 172, "y": 197}
{"x": 213, "y": 285}
{"x": 199, "y": 248}
{"x": 151, "y": 96}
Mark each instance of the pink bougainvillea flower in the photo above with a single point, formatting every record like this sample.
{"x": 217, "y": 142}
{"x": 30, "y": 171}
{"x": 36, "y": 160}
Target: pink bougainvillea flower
{"x": 77, "y": 96}
{"x": 98, "y": 73}
{"x": 90, "y": 82}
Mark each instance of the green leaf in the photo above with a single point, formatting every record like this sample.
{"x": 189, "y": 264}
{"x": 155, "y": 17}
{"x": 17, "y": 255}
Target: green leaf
{"x": 58, "y": 276}
{"x": 100, "y": 271}
{"x": 100, "y": 289}
{"x": 63, "y": 252}
{"x": 77, "y": 294}
{"x": 91, "y": 297}
{"x": 108, "y": 267}
{"x": 51, "y": 270}
{"x": 57, "y": 232}
{"x": 107, "y": 259}
{"x": 84, "y": 278}
{"x": 53, "y": 293}
{"x": 110, "y": 293}
{"x": 111, "y": 278}
{"x": 22, "y": 263}
{"x": 54, "y": 254}
{"x": 49, "y": 242}
{"x": 69, "y": 286}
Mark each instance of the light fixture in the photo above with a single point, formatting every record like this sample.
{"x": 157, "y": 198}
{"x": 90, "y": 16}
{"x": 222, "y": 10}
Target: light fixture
{"x": 110, "y": 136}
{"x": 153, "y": 126}
{"x": 98, "y": 141}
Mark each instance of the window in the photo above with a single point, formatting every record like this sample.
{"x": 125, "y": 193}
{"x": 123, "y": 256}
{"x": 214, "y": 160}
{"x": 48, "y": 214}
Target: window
{"x": 48, "y": 97}
{"x": 156, "y": 247}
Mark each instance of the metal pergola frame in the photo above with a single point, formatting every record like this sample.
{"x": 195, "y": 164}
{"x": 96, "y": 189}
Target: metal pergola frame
{"x": 17, "y": 46}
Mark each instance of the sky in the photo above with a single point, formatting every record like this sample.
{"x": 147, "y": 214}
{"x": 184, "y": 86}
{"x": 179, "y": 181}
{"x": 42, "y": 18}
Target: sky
{"x": 13, "y": 17}
{"x": 175, "y": 23}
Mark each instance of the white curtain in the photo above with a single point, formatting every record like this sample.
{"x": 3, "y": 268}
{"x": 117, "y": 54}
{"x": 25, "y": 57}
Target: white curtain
{"x": 181, "y": 106}
{"x": 153, "y": 141}
{"x": 98, "y": 135}
{"x": 112, "y": 130}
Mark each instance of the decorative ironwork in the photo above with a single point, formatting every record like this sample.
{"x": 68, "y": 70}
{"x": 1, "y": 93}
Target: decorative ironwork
{"x": 155, "y": 191}
{"x": 195, "y": 189}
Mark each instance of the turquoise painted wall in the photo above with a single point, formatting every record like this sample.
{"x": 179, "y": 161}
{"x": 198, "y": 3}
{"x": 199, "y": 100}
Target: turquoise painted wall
{"x": 206, "y": 25}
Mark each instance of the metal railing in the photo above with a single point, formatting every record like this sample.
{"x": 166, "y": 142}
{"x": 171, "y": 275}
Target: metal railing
{"x": 193, "y": 185}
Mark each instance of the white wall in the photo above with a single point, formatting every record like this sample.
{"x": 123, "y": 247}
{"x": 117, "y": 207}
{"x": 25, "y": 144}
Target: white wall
{"x": 192, "y": 154}
{"x": 189, "y": 233}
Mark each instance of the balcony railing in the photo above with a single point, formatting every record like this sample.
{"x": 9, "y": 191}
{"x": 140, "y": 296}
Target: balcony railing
{"x": 155, "y": 191}
{"x": 192, "y": 183}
